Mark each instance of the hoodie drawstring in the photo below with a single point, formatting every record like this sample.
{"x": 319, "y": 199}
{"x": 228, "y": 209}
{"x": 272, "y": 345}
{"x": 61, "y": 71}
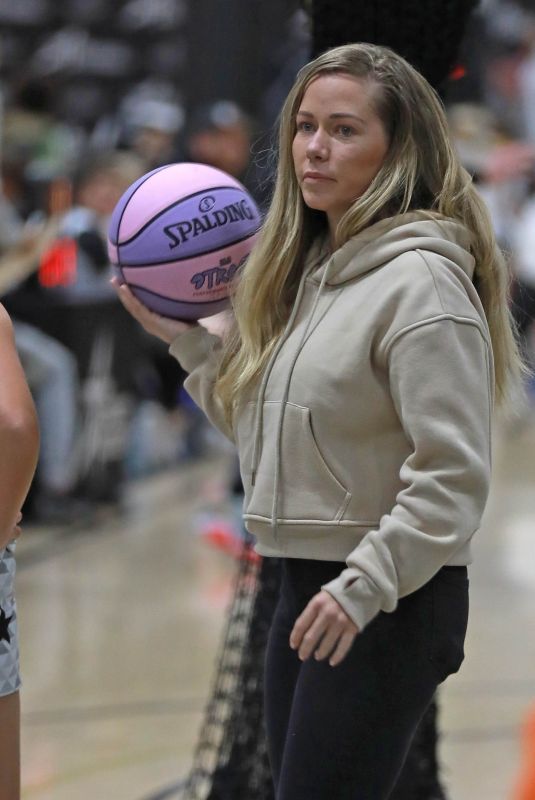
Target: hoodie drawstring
{"x": 276, "y": 481}
{"x": 258, "y": 426}
{"x": 258, "y": 422}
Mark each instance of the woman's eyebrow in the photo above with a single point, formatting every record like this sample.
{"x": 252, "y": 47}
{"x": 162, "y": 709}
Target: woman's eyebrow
{"x": 335, "y": 115}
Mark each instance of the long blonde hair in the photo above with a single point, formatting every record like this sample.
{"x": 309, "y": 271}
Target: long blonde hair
{"x": 421, "y": 171}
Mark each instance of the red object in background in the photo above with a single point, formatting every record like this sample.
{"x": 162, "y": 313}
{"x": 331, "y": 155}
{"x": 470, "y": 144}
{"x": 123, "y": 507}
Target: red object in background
{"x": 58, "y": 264}
{"x": 525, "y": 789}
{"x": 457, "y": 72}
{"x": 222, "y": 535}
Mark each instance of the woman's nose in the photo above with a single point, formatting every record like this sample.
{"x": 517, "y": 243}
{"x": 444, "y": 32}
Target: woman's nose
{"x": 317, "y": 146}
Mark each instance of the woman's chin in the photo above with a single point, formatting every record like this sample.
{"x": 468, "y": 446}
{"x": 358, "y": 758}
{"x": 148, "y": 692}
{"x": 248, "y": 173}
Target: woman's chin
{"x": 315, "y": 204}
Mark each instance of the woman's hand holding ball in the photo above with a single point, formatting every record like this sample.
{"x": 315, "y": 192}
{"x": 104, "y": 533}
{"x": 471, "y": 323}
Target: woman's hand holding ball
{"x": 162, "y": 327}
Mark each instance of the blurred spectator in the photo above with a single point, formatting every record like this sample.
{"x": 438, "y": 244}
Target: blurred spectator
{"x": 98, "y": 185}
{"x": 502, "y": 166}
{"x": 504, "y": 170}
{"x": 52, "y": 374}
{"x": 147, "y": 123}
{"x": 154, "y": 126}
{"x": 37, "y": 146}
{"x": 221, "y": 134}
{"x": 63, "y": 313}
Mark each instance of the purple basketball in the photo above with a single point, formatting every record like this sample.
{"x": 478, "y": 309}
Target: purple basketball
{"x": 179, "y": 235}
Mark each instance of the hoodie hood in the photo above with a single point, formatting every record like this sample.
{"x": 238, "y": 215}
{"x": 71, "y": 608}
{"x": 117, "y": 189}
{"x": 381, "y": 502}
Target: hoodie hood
{"x": 389, "y": 238}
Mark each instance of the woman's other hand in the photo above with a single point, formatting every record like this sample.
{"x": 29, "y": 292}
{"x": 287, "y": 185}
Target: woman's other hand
{"x": 323, "y": 629}
{"x": 162, "y": 327}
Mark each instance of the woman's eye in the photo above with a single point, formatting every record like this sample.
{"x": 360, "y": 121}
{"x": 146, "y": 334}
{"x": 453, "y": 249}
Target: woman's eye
{"x": 346, "y": 130}
{"x": 305, "y": 127}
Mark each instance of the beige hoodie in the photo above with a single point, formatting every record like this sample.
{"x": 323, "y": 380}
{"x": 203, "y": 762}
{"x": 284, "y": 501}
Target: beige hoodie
{"x": 369, "y": 438}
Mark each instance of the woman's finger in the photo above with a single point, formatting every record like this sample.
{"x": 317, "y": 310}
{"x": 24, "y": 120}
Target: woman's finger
{"x": 343, "y": 648}
{"x": 302, "y": 624}
{"x": 312, "y": 638}
{"x": 329, "y": 642}
{"x": 163, "y": 327}
{"x": 132, "y": 304}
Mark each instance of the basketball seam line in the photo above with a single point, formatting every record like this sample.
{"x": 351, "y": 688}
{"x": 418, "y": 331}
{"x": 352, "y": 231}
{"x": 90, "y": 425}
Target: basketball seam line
{"x": 191, "y": 257}
{"x": 167, "y": 208}
{"x": 150, "y": 174}
{"x": 173, "y": 300}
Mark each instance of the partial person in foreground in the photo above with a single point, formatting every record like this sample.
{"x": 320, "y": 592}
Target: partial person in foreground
{"x": 19, "y": 446}
{"x": 371, "y": 331}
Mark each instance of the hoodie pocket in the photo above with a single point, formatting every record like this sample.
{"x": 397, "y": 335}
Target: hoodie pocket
{"x": 308, "y": 487}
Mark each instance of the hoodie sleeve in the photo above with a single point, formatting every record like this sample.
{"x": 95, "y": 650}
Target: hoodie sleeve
{"x": 198, "y": 353}
{"x": 441, "y": 381}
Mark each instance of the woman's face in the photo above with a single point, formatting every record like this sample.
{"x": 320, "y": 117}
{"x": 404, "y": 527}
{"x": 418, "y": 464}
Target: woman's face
{"x": 339, "y": 144}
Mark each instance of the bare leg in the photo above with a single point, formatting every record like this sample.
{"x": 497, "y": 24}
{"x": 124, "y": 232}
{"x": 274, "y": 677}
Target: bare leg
{"x": 10, "y": 747}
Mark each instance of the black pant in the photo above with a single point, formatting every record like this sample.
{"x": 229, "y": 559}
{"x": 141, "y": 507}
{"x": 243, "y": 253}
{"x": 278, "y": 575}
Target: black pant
{"x": 342, "y": 733}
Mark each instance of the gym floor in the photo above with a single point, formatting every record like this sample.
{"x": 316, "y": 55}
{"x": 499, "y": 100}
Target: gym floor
{"x": 121, "y": 621}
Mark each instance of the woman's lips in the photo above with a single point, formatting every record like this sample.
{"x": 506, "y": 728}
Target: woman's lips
{"x": 316, "y": 176}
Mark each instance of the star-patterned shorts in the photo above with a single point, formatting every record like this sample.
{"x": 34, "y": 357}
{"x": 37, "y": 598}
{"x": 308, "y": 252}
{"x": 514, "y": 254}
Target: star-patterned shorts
{"x": 9, "y": 639}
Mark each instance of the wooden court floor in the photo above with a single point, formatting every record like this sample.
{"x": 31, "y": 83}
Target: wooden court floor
{"x": 121, "y": 620}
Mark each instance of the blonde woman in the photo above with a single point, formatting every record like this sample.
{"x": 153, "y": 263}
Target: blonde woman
{"x": 371, "y": 332}
{"x": 19, "y": 442}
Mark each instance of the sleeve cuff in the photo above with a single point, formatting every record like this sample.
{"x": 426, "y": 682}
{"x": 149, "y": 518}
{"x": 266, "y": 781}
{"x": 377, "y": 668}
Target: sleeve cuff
{"x": 192, "y": 347}
{"x": 358, "y": 596}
